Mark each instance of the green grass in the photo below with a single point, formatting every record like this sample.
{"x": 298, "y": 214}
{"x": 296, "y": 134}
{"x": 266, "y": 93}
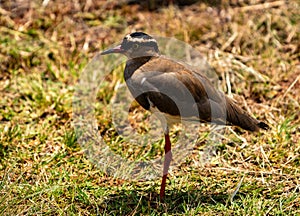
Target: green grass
{"x": 44, "y": 169}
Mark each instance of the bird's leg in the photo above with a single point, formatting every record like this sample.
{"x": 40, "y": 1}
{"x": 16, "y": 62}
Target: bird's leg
{"x": 167, "y": 161}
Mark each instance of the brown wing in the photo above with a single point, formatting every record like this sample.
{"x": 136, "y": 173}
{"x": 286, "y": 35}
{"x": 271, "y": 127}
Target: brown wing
{"x": 175, "y": 89}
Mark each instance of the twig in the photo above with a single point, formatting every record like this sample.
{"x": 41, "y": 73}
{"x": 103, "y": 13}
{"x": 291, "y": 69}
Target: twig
{"x": 250, "y": 70}
{"x": 252, "y": 171}
{"x": 236, "y": 190}
{"x": 291, "y": 86}
{"x": 228, "y": 84}
{"x": 264, "y": 155}
{"x": 261, "y": 6}
{"x": 229, "y": 41}
{"x": 239, "y": 137}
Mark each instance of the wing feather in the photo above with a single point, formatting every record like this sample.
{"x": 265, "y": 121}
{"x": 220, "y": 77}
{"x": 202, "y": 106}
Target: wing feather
{"x": 174, "y": 89}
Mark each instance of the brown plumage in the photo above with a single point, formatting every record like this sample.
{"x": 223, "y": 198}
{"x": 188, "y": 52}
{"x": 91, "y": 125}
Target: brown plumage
{"x": 177, "y": 90}
{"x": 162, "y": 75}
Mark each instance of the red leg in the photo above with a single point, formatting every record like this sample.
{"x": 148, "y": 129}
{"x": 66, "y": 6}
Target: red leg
{"x": 167, "y": 161}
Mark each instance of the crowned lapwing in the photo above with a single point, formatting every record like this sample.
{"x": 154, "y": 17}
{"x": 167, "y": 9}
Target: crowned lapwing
{"x": 176, "y": 90}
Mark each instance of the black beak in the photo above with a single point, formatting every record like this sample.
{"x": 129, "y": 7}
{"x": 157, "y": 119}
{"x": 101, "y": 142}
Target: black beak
{"x": 116, "y": 49}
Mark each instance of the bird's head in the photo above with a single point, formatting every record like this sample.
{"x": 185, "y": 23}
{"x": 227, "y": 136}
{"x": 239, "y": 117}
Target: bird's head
{"x": 134, "y": 45}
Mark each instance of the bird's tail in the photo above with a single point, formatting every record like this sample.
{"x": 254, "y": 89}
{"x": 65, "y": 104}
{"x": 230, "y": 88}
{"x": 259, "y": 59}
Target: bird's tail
{"x": 237, "y": 116}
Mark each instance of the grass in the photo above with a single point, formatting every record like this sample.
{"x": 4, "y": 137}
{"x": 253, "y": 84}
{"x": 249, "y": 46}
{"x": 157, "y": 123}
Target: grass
{"x": 44, "y": 169}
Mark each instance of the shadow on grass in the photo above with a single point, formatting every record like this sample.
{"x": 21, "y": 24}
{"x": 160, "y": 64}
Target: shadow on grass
{"x": 129, "y": 202}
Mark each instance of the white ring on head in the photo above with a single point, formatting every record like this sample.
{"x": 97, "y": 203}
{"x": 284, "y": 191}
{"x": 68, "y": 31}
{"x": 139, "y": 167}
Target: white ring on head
{"x": 141, "y": 40}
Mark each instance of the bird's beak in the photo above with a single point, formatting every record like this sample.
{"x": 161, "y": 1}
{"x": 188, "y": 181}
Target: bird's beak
{"x": 116, "y": 49}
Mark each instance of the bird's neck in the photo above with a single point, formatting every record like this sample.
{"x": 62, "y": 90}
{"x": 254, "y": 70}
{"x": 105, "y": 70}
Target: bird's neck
{"x": 133, "y": 64}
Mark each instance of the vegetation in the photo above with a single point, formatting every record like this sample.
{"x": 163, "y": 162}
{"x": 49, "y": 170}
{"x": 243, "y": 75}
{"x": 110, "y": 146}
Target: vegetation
{"x": 254, "y": 47}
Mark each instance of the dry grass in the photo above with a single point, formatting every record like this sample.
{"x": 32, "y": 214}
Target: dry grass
{"x": 254, "y": 47}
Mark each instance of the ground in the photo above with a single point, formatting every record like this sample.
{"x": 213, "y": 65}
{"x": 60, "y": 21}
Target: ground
{"x": 45, "y": 46}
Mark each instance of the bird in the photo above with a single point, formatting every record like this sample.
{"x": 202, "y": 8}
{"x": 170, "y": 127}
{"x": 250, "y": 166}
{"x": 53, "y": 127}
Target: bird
{"x": 176, "y": 91}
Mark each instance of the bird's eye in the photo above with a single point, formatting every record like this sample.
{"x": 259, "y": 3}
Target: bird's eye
{"x": 135, "y": 46}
